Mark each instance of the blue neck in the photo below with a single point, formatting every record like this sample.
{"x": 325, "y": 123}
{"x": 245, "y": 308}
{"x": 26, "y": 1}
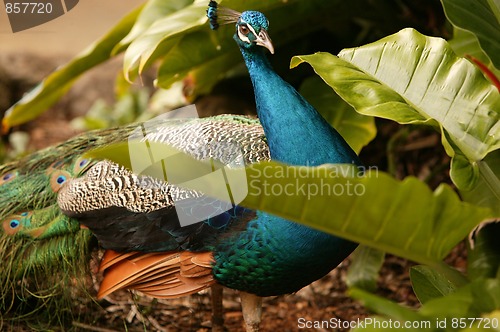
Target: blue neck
{"x": 296, "y": 133}
{"x": 273, "y": 252}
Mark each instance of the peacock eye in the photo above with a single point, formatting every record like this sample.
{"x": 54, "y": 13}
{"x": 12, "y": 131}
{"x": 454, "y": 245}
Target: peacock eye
{"x": 244, "y": 30}
{"x": 61, "y": 179}
{"x": 14, "y": 223}
{"x": 57, "y": 180}
{"x": 7, "y": 177}
{"x": 81, "y": 165}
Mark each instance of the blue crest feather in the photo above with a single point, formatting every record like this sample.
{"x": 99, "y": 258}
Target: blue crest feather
{"x": 218, "y": 15}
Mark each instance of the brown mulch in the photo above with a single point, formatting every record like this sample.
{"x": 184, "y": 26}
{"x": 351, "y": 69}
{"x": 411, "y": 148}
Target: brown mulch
{"x": 324, "y": 300}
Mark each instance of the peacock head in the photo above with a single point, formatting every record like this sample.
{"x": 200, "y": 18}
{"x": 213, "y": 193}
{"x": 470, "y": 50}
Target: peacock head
{"x": 251, "y": 26}
{"x": 251, "y": 30}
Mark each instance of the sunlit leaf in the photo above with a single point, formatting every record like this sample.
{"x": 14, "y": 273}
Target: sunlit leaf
{"x": 153, "y": 10}
{"x": 167, "y": 28}
{"x": 373, "y": 209}
{"x": 411, "y": 78}
{"x": 369, "y": 208}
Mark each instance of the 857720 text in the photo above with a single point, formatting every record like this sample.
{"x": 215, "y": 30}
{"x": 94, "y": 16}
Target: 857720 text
{"x": 441, "y": 323}
{"x": 28, "y": 8}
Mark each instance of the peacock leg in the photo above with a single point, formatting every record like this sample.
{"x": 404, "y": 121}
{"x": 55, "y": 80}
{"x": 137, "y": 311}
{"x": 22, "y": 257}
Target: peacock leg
{"x": 217, "y": 309}
{"x": 251, "y": 305}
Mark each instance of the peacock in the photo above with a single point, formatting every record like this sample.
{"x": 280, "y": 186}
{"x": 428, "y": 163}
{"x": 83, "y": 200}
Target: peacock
{"x": 55, "y": 202}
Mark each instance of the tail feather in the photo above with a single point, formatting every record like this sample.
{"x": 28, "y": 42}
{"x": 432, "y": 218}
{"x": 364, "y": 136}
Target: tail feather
{"x": 163, "y": 275}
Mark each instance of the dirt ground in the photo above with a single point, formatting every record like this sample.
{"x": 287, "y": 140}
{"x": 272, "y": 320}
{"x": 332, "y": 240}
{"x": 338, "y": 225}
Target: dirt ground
{"x": 324, "y": 300}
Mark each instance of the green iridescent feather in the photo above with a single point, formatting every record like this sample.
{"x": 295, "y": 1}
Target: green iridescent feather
{"x": 45, "y": 253}
{"x": 46, "y": 258}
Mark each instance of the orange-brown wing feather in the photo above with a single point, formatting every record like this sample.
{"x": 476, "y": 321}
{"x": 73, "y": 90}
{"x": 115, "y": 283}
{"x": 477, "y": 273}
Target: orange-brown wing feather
{"x": 111, "y": 257}
{"x": 162, "y": 275}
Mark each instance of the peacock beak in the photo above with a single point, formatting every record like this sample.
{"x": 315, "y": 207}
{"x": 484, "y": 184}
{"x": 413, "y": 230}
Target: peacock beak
{"x": 263, "y": 39}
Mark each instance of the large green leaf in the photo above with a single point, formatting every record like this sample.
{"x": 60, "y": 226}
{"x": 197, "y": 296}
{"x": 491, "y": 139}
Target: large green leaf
{"x": 486, "y": 191}
{"x": 495, "y": 8}
{"x": 477, "y": 297}
{"x": 411, "y": 78}
{"x": 163, "y": 35}
{"x": 372, "y": 209}
{"x": 169, "y": 29}
{"x": 482, "y": 18}
{"x": 205, "y": 76}
{"x": 153, "y": 11}
{"x": 428, "y": 283}
{"x": 454, "y": 312}
{"x": 193, "y": 51}
{"x": 56, "y": 84}
{"x": 384, "y": 306}
{"x": 358, "y": 130}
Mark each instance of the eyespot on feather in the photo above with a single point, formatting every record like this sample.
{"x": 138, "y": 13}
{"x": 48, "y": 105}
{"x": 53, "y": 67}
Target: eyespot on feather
{"x": 58, "y": 179}
{"x": 12, "y": 224}
{"x": 81, "y": 165}
{"x": 7, "y": 177}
